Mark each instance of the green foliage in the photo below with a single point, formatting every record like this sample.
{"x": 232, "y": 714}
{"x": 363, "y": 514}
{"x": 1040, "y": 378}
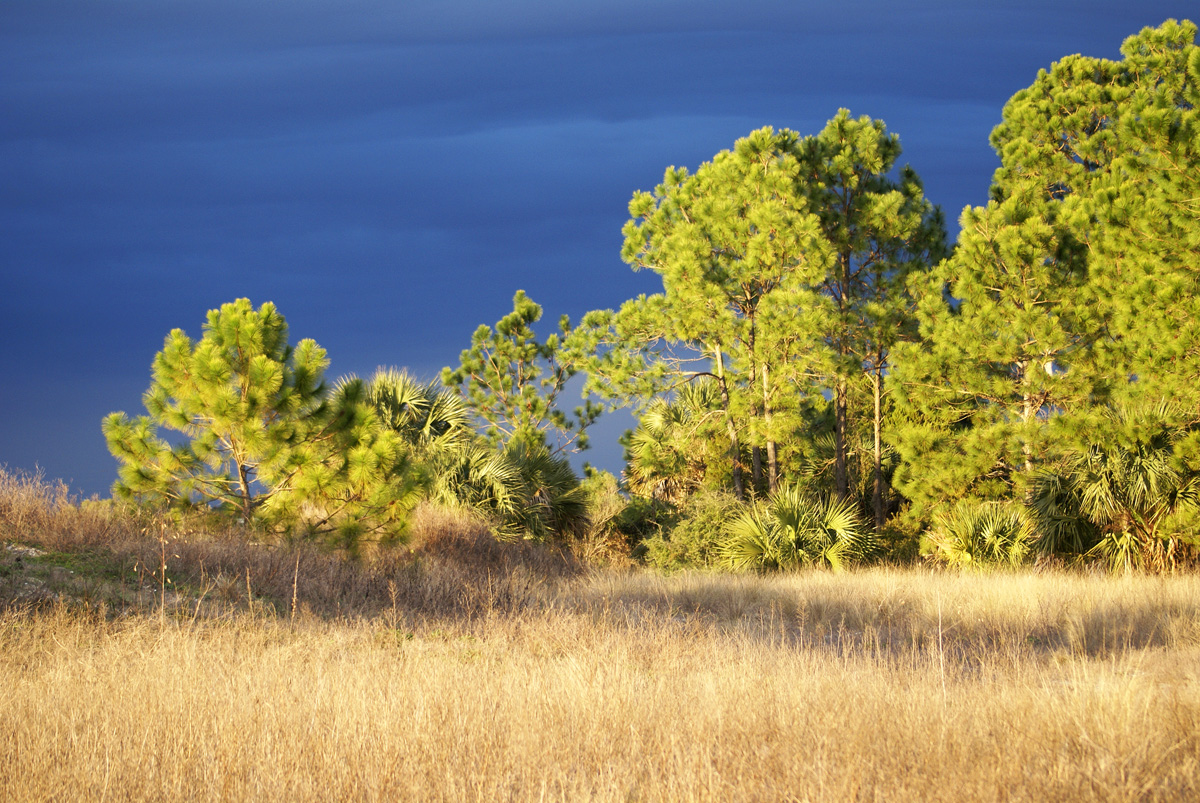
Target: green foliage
{"x": 263, "y": 437}
{"x": 360, "y": 484}
{"x": 552, "y": 502}
{"x": 527, "y": 490}
{"x": 676, "y": 448}
{"x": 480, "y": 478}
{"x": 1113, "y": 497}
{"x": 737, "y": 249}
{"x": 438, "y": 426}
{"x": 881, "y": 232}
{"x": 802, "y": 348}
{"x": 791, "y": 530}
{"x": 1109, "y": 149}
{"x": 1076, "y": 284}
{"x": 1000, "y": 320}
{"x": 900, "y": 542}
{"x": 783, "y": 264}
{"x": 241, "y": 395}
{"x": 603, "y": 541}
{"x": 1147, "y": 237}
{"x": 430, "y": 419}
{"x": 1056, "y": 503}
{"x": 982, "y": 534}
{"x": 512, "y": 382}
{"x": 693, "y": 539}
{"x": 816, "y": 467}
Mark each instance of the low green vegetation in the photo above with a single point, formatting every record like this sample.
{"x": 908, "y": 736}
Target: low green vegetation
{"x": 823, "y": 381}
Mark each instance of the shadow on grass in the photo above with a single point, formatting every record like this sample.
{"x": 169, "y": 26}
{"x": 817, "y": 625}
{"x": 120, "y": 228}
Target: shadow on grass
{"x": 454, "y": 574}
{"x": 98, "y": 555}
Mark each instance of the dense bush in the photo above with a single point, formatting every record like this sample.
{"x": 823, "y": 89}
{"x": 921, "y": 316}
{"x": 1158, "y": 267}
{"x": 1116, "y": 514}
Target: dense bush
{"x": 693, "y": 540}
{"x": 792, "y": 530}
{"x": 983, "y": 534}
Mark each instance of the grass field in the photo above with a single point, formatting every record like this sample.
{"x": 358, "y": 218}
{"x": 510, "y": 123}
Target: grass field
{"x": 468, "y": 670}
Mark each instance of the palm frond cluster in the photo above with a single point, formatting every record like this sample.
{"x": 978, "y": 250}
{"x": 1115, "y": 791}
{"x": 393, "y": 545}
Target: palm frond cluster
{"x": 525, "y": 489}
{"x": 674, "y": 449}
{"x": 1126, "y": 500}
{"x": 985, "y": 534}
{"x": 792, "y": 530}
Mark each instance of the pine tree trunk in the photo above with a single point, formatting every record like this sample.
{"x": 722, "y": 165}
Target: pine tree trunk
{"x": 735, "y": 450}
{"x": 756, "y": 461}
{"x": 772, "y": 458}
{"x": 247, "y": 499}
{"x": 877, "y": 493}
{"x": 1027, "y": 414}
{"x": 841, "y": 483}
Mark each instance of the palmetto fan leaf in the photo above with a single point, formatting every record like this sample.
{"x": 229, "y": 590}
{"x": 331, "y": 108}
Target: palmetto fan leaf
{"x": 667, "y": 454}
{"x": 399, "y": 398}
{"x": 424, "y": 414}
{"x": 1120, "y": 551}
{"x": 983, "y": 534}
{"x": 755, "y": 541}
{"x": 438, "y": 425}
{"x": 1056, "y": 507}
{"x": 1123, "y": 489}
{"x": 791, "y": 530}
{"x": 525, "y": 489}
{"x": 553, "y": 502}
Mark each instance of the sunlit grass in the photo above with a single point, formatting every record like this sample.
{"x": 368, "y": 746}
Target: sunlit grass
{"x": 817, "y": 687}
{"x": 467, "y": 670}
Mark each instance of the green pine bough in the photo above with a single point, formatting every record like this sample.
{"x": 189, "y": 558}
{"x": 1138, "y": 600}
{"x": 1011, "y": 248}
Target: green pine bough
{"x": 262, "y": 436}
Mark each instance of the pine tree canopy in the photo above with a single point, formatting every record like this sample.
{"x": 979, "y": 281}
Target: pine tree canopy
{"x": 263, "y": 437}
{"x": 783, "y": 263}
{"x": 512, "y": 382}
{"x": 1076, "y": 284}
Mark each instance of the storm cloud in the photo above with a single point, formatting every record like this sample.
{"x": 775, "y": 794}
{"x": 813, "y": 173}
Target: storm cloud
{"x": 390, "y": 173}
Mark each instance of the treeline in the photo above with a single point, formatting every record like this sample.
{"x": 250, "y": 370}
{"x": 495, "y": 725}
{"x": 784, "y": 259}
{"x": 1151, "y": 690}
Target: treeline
{"x": 823, "y": 379}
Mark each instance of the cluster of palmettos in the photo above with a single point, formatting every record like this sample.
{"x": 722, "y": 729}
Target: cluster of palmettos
{"x": 820, "y": 355}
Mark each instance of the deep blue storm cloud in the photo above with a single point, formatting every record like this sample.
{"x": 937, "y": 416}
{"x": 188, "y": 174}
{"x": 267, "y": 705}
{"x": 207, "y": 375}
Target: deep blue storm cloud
{"x": 390, "y": 173}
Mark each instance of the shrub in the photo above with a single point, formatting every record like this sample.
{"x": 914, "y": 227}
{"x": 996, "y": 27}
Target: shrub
{"x": 263, "y": 437}
{"x": 793, "y": 530}
{"x": 1125, "y": 498}
{"x": 983, "y": 534}
{"x": 693, "y": 540}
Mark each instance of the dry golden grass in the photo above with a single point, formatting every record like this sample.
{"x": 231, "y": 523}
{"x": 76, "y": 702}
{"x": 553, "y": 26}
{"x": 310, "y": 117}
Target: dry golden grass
{"x": 468, "y": 670}
{"x": 628, "y": 688}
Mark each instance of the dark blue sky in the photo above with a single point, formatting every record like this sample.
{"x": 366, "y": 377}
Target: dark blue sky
{"x": 390, "y": 173}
